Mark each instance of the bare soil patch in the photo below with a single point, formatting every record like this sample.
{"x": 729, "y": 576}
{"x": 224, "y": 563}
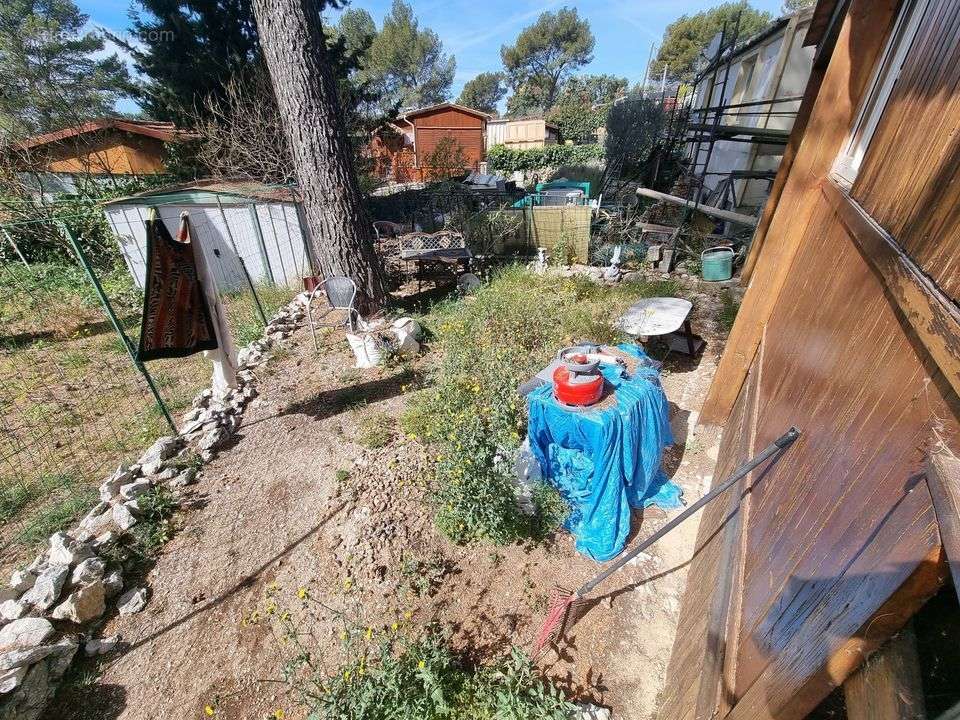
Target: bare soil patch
{"x": 304, "y": 502}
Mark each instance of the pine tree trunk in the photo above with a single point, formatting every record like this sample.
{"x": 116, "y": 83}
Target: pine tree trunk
{"x": 306, "y": 89}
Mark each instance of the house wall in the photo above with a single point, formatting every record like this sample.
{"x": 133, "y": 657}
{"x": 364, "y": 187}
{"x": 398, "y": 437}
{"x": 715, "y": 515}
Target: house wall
{"x": 466, "y": 129}
{"x": 267, "y": 235}
{"x": 520, "y": 134}
{"x": 836, "y": 544}
{"x": 777, "y": 68}
{"x": 108, "y": 152}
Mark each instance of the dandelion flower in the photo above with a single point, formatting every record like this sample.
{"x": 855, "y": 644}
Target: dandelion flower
{"x": 302, "y": 593}
{"x": 421, "y": 665}
{"x": 208, "y": 710}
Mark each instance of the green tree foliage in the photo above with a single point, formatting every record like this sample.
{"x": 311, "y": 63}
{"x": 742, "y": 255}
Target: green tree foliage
{"x": 635, "y": 135}
{"x": 687, "y": 37}
{"x": 791, "y": 6}
{"x": 544, "y": 55}
{"x": 405, "y": 64}
{"x": 484, "y": 92}
{"x": 52, "y": 75}
{"x": 188, "y": 50}
{"x": 583, "y": 106}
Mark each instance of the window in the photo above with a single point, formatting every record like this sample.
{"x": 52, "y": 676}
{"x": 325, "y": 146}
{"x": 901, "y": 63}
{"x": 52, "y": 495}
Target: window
{"x": 881, "y": 86}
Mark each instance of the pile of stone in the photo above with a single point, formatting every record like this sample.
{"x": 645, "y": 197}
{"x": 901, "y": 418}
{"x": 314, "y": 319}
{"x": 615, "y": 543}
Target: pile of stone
{"x": 67, "y": 588}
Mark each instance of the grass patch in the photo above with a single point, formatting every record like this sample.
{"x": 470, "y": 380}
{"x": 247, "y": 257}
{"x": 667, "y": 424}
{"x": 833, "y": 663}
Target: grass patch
{"x": 58, "y": 515}
{"x": 376, "y": 430}
{"x": 471, "y": 415}
{"x": 729, "y": 307}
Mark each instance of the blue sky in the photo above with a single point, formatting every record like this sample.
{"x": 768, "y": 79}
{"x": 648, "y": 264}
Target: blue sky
{"x": 474, "y": 30}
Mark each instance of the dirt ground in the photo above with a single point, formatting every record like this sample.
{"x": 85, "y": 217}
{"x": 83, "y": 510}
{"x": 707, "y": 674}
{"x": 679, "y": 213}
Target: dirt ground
{"x": 299, "y": 503}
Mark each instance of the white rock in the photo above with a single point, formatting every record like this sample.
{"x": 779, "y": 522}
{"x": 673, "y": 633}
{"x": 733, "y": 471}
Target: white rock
{"x": 123, "y": 517}
{"x": 132, "y": 601}
{"x": 38, "y": 565}
{"x": 586, "y": 711}
{"x": 152, "y": 468}
{"x": 133, "y": 506}
{"x": 11, "y": 679}
{"x": 21, "y": 581}
{"x": 135, "y": 489}
{"x": 165, "y": 475}
{"x": 187, "y": 477}
{"x": 90, "y": 570}
{"x": 101, "y": 646}
{"x": 212, "y": 438}
{"x": 105, "y": 540}
{"x": 113, "y": 583}
{"x": 202, "y": 398}
{"x": 98, "y": 524}
{"x": 46, "y": 590}
{"x": 111, "y": 486}
{"x": 84, "y": 604}
{"x": 91, "y": 517}
{"x": 13, "y": 610}
{"x": 190, "y": 415}
{"x": 162, "y": 449}
{"x": 25, "y": 633}
{"x": 65, "y": 550}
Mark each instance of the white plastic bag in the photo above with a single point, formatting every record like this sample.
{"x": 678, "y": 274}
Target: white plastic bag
{"x": 367, "y": 350}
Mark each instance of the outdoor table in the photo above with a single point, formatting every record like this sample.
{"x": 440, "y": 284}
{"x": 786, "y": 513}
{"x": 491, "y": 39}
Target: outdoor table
{"x": 651, "y": 317}
{"x": 605, "y": 459}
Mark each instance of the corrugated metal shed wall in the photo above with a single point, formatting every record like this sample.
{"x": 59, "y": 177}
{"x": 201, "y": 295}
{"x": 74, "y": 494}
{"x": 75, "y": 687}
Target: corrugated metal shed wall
{"x": 267, "y": 235}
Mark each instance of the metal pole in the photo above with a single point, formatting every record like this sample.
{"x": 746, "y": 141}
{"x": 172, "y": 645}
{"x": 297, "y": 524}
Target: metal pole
{"x": 15, "y": 248}
{"x": 105, "y": 301}
{"x": 646, "y": 72}
{"x": 243, "y": 265}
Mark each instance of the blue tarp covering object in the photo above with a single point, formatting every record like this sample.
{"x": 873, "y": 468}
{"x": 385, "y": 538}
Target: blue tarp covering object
{"x": 606, "y": 461}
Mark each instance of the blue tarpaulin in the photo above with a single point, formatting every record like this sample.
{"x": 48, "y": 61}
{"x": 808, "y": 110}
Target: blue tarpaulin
{"x": 606, "y": 461}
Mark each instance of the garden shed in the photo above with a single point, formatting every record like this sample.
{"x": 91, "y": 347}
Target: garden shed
{"x": 262, "y": 225}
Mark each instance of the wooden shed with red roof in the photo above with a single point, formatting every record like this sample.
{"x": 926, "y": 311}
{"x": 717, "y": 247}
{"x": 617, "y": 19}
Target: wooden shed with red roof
{"x": 107, "y": 146}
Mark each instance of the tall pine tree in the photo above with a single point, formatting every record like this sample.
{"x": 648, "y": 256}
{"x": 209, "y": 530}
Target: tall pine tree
{"x": 53, "y": 74}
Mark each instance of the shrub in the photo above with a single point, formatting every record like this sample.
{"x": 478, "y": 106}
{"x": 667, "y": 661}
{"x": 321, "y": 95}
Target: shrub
{"x": 504, "y": 159}
{"x": 391, "y": 676}
{"x": 472, "y": 417}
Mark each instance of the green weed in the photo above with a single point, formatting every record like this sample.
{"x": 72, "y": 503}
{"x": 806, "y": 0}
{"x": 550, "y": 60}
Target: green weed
{"x": 58, "y": 515}
{"x": 729, "y": 307}
{"x": 471, "y": 415}
{"x": 376, "y": 431}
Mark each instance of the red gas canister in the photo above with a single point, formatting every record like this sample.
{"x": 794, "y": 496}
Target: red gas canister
{"x": 577, "y": 381}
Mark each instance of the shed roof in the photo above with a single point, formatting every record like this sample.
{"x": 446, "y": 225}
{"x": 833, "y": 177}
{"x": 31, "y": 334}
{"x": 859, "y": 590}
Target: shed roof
{"x": 164, "y": 131}
{"x": 524, "y": 118}
{"x": 201, "y": 191}
{"x": 440, "y": 106}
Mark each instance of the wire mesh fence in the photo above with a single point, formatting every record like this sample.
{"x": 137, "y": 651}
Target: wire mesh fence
{"x": 73, "y": 402}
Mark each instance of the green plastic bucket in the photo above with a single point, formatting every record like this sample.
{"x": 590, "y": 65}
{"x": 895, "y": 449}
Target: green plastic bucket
{"x": 717, "y": 263}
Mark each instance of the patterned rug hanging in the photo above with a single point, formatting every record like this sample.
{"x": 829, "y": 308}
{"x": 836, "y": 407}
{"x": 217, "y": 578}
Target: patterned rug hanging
{"x": 176, "y": 319}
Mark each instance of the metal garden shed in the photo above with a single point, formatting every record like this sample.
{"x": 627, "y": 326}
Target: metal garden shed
{"x": 262, "y": 225}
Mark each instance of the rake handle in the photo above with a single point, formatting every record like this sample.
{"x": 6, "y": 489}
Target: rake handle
{"x": 781, "y": 443}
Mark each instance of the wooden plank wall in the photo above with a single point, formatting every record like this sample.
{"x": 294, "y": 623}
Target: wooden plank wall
{"x": 841, "y": 542}
{"x": 860, "y": 40}
{"x": 464, "y": 128}
{"x": 908, "y": 180}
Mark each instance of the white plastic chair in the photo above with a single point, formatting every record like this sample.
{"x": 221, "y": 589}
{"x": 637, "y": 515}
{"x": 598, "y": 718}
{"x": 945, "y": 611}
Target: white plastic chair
{"x": 340, "y": 292}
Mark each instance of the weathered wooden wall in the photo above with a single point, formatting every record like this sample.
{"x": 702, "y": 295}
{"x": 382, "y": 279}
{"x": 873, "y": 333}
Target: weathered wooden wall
{"x": 109, "y": 152}
{"x": 466, "y": 129}
{"x": 849, "y": 330}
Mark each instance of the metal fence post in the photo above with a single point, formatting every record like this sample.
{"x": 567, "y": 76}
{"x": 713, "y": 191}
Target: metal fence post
{"x": 108, "y": 307}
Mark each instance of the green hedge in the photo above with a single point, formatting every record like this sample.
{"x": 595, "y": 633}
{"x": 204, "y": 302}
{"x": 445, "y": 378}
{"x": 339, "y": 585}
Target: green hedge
{"x": 504, "y": 159}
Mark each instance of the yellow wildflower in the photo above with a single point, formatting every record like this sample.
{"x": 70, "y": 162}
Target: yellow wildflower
{"x": 343, "y": 634}
{"x": 302, "y": 593}
{"x": 279, "y": 714}
{"x": 407, "y": 615}
{"x": 346, "y": 675}
{"x": 395, "y": 626}
{"x": 421, "y": 665}
{"x": 208, "y": 710}
{"x": 348, "y": 583}
{"x": 369, "y": 633}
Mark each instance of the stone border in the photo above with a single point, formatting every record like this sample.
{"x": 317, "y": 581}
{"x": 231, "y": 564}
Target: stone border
{"x": 47, "y": 605}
